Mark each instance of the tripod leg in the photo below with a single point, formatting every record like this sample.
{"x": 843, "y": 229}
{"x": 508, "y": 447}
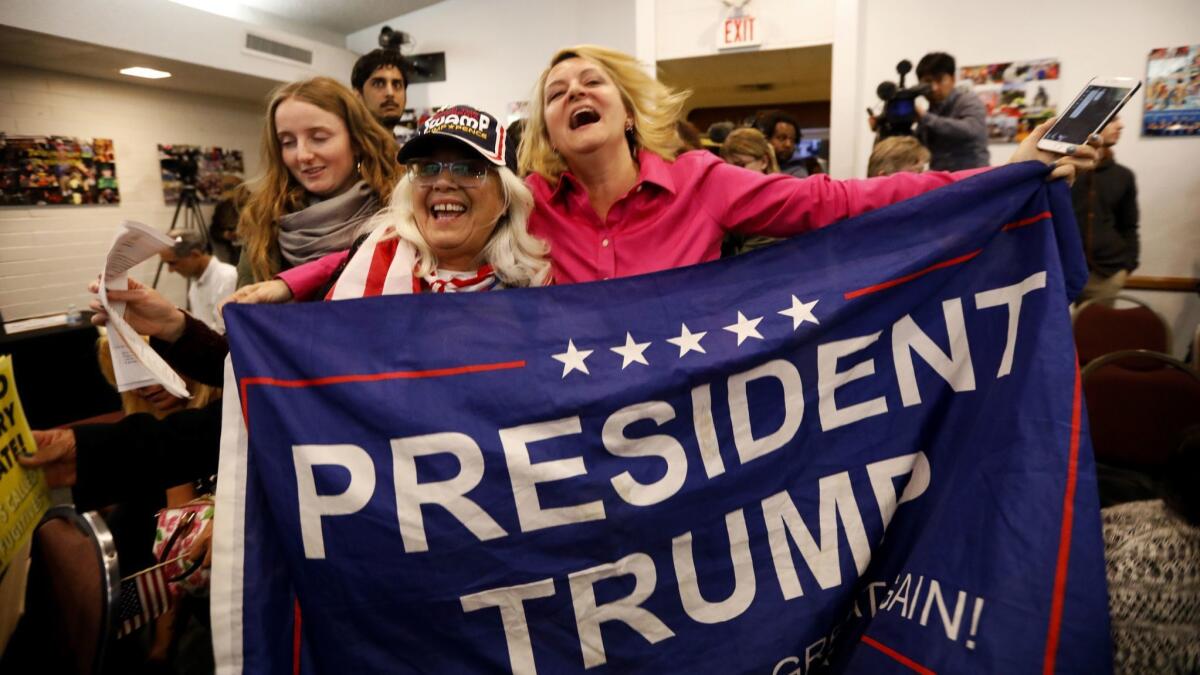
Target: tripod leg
{"x": 157, "y": 273}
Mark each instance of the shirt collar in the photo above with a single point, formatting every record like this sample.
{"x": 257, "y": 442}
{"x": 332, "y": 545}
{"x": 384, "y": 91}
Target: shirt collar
{"x": 651, "y": 169}
{"x": 655, "y": 170}
{"x": 207, "y": 273}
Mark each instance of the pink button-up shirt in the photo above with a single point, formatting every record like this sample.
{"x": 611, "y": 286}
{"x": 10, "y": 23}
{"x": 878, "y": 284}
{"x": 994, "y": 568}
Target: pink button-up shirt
{"x": 678, "y": 212}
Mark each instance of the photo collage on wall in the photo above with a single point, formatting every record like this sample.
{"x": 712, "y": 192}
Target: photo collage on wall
{"x": 44, "y": 170}
{"x": 1172, "y": 92}
{"x": 214, "y": 171}
{"x": 1019, "y": 95}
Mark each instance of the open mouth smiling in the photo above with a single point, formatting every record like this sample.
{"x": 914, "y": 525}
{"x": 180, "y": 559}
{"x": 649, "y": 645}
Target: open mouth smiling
{"x": 583, "y": 117}
{"x": 447, "y": 210}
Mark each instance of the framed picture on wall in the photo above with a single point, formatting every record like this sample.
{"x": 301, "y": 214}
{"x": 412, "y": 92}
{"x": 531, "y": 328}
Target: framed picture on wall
{"x": 1019, "y": 95}
{"x": 213, "y": 170}
{"x": 46, "y": 170}
{"x": 1172, "y": 92}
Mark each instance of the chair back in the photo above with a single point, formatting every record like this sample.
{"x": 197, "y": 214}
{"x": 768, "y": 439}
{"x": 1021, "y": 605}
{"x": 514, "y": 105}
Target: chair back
{"x": 1139, "y": 403}
{"x": 71, "y": 597}
{"x": 1102, "y": 328}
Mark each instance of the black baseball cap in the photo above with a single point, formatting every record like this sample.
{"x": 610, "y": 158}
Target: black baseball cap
{"x": 472, "y": 127}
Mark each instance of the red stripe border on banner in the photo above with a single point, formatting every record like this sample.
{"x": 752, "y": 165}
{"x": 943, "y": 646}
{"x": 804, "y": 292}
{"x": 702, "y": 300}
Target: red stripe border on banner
{"x": 244, "y": 383}
{"x": 1064, "y": 537}
{"x": 850, "y": 295}
{"x": 897, "y": 656}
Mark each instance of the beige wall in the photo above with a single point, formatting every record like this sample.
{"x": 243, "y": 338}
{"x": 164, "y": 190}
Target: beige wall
{"x": 48, "y": 253}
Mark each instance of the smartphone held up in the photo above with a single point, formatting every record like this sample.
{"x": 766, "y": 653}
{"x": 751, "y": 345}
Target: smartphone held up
{"x": 1090, "y": 112}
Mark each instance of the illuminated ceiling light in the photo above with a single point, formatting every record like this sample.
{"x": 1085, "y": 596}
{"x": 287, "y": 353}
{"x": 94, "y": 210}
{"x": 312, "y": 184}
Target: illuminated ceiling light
{"x": 148, "y": 73}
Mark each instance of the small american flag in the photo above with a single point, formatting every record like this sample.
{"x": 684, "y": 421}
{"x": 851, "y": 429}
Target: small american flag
{"x": 144, "y": 597}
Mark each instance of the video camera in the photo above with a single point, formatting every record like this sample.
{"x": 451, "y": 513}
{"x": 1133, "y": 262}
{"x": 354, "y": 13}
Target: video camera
{"x": 187, "y": 166}
{"x": 899, "y": 106}
{"x": 393, "y": 39}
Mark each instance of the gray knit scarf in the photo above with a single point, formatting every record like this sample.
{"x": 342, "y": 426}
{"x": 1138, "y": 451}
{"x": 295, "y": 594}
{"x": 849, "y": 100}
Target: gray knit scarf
{"x": 326, "y": 226}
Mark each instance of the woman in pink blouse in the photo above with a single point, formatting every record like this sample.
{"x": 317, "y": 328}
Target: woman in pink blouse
{"x": 612, "y": 200}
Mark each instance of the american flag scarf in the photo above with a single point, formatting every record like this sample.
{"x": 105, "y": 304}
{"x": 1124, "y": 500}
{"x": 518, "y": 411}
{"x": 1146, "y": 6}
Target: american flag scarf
{"x": 384, "y": 265}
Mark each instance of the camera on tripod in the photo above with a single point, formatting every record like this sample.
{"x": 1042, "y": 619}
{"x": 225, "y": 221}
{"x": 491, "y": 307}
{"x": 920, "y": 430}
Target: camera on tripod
{"x": 187, "y": 167}
{"x": 899, "y": 104}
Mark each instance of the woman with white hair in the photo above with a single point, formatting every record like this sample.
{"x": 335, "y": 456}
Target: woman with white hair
{"x": 456, "y": 222}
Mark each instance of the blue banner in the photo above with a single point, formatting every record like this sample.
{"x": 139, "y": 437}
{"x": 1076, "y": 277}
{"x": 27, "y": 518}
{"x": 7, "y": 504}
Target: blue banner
{"x": 860, "y": 450}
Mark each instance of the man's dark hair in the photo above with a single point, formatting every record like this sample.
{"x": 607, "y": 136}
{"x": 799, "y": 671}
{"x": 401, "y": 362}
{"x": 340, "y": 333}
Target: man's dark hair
{"x": 719, "y": 131}
{"x": 187, "y": 242}
{"x": 935, "y": 64}
{"x": 368, "y": 63}
{"x": 771, "y": 118}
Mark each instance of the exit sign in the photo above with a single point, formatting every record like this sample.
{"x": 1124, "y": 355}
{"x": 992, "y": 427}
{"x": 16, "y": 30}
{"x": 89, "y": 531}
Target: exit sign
{"x": 738, "y": 31}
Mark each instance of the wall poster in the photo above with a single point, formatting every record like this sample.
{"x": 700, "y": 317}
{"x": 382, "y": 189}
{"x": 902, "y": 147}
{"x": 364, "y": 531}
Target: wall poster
{"x": 41, "y": 170}
{"x": 1019, "y": 95}
{"x": 1172, "y": 92}
{"x": 213, "y": 171}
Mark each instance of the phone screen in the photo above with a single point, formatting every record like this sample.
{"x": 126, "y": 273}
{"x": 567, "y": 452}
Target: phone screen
{"x": 1087, "y": 114}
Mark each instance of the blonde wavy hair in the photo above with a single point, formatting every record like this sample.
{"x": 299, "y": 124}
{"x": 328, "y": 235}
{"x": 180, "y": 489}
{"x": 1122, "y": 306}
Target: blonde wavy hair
{"x": 654, "y": 106}
{"x": 895, "y": 155}
{"x": 276, "y": 192}
{"x": 518, "y": 258}
{"x": 752, "y": 143}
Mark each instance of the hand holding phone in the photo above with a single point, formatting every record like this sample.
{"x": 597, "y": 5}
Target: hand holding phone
{"x": 1091, "y": 111}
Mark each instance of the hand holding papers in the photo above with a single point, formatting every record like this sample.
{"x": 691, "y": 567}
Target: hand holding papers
{"x": 135, "y": 364}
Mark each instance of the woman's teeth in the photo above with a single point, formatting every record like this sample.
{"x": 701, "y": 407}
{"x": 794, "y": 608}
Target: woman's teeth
{"x": 448, "y": 210}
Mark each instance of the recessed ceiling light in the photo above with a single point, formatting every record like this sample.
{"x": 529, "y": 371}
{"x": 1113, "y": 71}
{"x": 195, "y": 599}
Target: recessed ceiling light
{"x": 148, "y": 73}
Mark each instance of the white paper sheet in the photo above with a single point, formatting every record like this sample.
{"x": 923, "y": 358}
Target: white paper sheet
{"x": 135, "y": 364}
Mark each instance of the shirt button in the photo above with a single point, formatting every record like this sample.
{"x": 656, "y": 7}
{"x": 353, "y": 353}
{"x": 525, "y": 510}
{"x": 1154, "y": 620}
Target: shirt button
{"x": 639, "y": 188}
{"x": 604, "y": 243}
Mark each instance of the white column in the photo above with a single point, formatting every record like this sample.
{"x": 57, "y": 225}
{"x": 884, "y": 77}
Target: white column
{"x": 847, "y": 112}
{"x": 645, "y": 37}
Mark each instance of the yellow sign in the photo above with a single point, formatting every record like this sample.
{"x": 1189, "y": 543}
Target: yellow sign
{"x": 24, "y": 496}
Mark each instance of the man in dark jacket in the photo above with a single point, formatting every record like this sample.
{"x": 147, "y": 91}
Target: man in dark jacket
{"x": 954, "y": 128}
{"x": 1106, "y": 208}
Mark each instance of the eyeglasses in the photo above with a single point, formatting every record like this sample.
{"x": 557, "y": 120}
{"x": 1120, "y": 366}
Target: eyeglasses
{"x": 465, "y": 172}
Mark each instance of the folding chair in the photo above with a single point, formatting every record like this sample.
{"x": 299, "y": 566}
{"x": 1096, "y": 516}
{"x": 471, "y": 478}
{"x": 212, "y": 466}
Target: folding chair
{"x": 1102, "y": 328}
{"x": 70, "y": 602}
{"x": 1139, "y": 403}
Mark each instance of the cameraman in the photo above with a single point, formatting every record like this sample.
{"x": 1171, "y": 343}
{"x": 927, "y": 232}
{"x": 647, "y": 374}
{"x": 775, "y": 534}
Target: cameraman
{"x": 955, "y": 126}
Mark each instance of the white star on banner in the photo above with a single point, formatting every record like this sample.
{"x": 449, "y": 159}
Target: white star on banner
{"x": 745, "y": 328}
{"x": 801, "y": 312}
{"x": 632, "y": 352}
{"x": 688, "y": 341}
{"x": 572, "y": 359}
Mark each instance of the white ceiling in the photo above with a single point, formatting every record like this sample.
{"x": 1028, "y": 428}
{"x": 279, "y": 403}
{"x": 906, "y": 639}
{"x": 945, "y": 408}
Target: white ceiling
{"x": 49, "y": 52}
{"x": 339, "y": 16}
